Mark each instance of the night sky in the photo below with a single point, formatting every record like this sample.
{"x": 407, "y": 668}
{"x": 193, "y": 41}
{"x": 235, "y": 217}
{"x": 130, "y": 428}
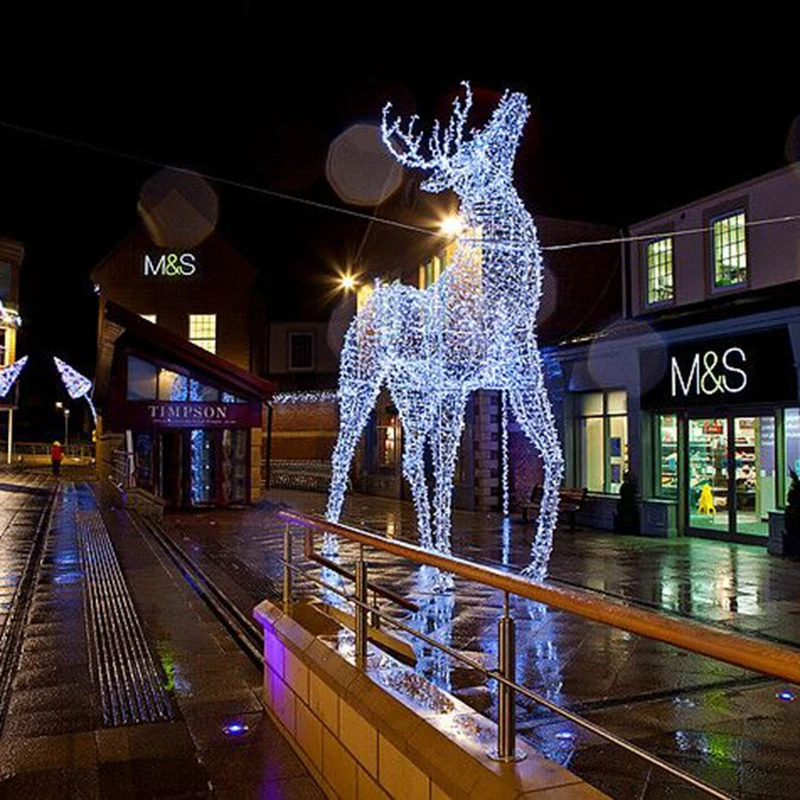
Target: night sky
{"x": 608, "y": 142}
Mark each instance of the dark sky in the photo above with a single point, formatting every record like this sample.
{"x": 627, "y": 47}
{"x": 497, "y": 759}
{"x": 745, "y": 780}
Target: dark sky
{"x": 608, "y": 142}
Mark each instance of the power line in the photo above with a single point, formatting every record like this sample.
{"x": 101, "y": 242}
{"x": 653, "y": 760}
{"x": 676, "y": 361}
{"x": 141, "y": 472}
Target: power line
{"x": 369, "y": 218}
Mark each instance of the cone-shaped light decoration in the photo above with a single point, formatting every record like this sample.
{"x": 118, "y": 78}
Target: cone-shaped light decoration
{"x": 77, "y": 385}
{"x": 9, "y": 374}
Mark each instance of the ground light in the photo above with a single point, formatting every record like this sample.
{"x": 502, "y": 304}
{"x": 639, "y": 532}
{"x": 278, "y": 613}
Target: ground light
{"x": 472, "y": 329}
{"x": 234, "y": 729}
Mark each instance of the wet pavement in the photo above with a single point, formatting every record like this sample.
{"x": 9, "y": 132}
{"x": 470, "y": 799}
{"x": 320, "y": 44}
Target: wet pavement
{"x": 732, "y": 728}
{"x": 54, "y": 742}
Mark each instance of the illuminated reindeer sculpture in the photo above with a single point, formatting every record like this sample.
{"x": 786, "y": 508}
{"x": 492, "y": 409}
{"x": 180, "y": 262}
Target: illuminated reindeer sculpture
{"x": 474, "y": 328}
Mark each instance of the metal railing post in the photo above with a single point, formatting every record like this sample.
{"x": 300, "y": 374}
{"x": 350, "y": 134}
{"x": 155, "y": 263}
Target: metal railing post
{"x": 506, "y": 695}
{"x": 361, "y": 609}
{"x": 287, "y": 568}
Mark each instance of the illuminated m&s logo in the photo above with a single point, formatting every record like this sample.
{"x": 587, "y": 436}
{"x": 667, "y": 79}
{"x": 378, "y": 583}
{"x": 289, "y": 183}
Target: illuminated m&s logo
{"x": 715, "y": 374}
{"x": 171, "y": 265}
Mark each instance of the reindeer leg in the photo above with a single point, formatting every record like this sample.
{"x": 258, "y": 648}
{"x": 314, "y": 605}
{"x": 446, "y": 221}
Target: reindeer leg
{"x": 414, "y": 429}
{"x": 356, "y": 401}
{"x": 446, "y": 439}
{"x": 532, "y": 409}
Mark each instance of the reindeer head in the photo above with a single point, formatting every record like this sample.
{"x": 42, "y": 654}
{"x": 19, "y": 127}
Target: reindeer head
{"x": 474, "y": 166}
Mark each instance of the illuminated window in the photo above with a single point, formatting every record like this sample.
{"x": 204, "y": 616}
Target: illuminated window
{"x": 3, "y": 348}
{"x": 203, "y": 331}
{"x": 150, "y": 318}
{"x": 659, "y": 271}
{"x": 602, "y": 440}
{"x": 301, "y": 351}
{"x": 730, "y": 251}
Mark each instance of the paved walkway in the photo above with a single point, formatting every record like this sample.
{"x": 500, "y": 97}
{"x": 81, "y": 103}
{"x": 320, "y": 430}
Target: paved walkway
{"x": 724, "y": 724}
{"x": 54, "y": 742}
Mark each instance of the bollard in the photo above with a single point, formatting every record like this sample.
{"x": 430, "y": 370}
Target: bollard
{"x": 361, "y": 610}
{"x": 506, "y": 696}
{"x": 287, "y": 569}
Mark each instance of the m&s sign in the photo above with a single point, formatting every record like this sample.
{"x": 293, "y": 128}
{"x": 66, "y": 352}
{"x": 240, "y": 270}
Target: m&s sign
{"x": 170, "y": 265}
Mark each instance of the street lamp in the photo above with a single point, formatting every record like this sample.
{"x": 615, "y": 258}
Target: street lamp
{"x": 348, "y": 282}
{"x": 60, "y": 407}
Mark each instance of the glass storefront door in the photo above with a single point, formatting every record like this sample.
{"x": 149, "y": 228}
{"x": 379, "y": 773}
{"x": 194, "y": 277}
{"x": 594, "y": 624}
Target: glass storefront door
{"x": 731, "y": 475}
{"x": 708, "y": 494}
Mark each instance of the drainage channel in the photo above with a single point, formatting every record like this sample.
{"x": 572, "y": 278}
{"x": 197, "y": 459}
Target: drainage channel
{"x": 130, "y": 683}
{"x": 245, "y": 632}
{"x": 13, "y": 630}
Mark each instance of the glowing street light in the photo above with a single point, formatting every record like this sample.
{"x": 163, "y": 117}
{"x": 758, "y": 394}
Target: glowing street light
{"x": 451, "y": 225}
{"x": 348, "y": 282}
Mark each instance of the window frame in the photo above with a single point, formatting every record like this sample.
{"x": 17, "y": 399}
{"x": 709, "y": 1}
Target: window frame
{"x": 711, "y": 217}
{"x": 606, "y": 416}
{"x": 290, "y": 365}
{"x": 198, "y": 340}
{"x": 668, "y": 301}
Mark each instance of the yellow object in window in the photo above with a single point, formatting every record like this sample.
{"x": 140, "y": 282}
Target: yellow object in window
{"x": 706, "y": 503}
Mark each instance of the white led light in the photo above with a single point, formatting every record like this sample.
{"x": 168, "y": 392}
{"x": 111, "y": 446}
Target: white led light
{"x": 301, "y": 398}
{"x": 77, "y": 385}
{"x": 9, "y": 375}
{"x": 473, "y": 328}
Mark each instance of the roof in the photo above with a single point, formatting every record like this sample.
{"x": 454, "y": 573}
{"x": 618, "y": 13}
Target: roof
{"x": 120, "y": 327}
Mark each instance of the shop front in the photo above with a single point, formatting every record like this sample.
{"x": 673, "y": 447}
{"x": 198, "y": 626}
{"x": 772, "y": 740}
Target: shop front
{"x": 192, "y": 425}
{"x": 725, "y": 428}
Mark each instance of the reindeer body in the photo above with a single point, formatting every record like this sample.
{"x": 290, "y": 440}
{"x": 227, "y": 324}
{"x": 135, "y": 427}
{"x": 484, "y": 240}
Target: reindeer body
{"x": 474, "y": 328}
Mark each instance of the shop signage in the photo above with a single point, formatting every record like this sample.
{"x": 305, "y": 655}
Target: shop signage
{"x": 145, "y": 415}
{"x": 170, "y": 265}
{"x": 750, "y": 368}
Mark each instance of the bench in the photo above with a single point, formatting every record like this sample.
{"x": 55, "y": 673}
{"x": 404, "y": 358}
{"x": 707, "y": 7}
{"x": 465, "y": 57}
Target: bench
{"x": 570, "y": 501}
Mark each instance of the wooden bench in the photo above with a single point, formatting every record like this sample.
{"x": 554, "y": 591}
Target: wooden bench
{"x": 570, "y": 501}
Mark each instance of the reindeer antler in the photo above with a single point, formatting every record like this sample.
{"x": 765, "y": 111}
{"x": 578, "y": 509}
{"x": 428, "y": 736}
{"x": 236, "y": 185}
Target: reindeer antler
{"x": 441, "y": 145}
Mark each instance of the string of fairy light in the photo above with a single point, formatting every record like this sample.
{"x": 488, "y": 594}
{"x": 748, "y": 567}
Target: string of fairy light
{"x": 472, "y": 329}
{"x": 372, "y": 218}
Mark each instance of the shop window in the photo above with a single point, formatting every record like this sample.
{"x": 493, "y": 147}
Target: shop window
{"x": 3, "y": 347}
{"x": 602, "y": 440}
{"x": 660, "y": 288}
{"x": 729, "y": 250}
{"x": 172, "y": 387}
{"x": 203, "y": 467}
{"x": 141, "y": 379}
{"x": 666, "y": 472}
{"x": 301, "y": 351}
{"x": 200, "y": 393}
{"x": 203, "y": 331}
{"x": 791, "y": 440}
{"x": 150, "y": 318}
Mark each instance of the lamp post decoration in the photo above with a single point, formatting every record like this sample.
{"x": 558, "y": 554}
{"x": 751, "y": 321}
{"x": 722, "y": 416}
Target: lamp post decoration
{"x": 77, "y": 385}
{"x": 9, "y": 375}
{"x": 473, "y": 328}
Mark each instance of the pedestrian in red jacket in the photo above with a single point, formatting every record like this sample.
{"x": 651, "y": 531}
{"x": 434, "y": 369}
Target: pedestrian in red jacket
{"x": 56, "y": 456}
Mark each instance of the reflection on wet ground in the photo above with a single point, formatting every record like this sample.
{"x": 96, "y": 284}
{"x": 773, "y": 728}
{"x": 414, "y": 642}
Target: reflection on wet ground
{"x": 725, "y": 725}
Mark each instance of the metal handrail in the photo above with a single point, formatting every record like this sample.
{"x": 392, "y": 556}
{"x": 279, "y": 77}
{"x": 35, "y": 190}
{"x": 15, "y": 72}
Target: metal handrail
{"x": 768, "y": 658}
{"x": 726, "y": 646}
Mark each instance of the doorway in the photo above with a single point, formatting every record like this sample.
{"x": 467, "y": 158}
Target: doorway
{"x": 731, "y": 476}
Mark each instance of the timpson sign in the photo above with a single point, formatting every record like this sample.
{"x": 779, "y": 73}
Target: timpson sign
{"x": 139, "y": 415}
{"x": 754, "y": 367}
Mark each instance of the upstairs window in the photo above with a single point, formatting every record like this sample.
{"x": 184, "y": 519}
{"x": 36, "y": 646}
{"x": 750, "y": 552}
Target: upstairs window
{"x": 150, "y": 318}
{"x": 301, "y": 351}
{"x": 729, "y": 251}
{"x": 203, "y": 331}
{"x": 660, "y": 281}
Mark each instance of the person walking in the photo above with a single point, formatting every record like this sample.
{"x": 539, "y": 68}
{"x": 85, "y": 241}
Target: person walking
{"x": 56, "y": 456}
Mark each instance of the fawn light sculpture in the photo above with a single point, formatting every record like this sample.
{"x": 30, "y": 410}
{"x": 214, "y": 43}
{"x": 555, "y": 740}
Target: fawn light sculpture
{"x": 473, "y": 328}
